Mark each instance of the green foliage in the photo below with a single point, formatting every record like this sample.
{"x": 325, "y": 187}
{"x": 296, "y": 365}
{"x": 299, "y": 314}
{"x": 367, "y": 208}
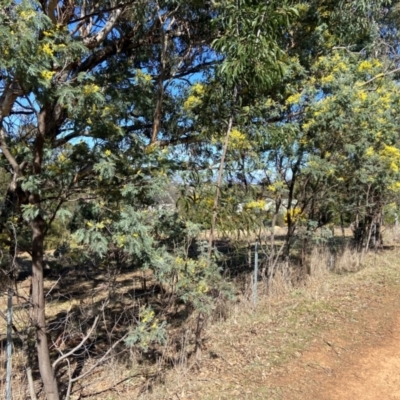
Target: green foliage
{"x": 250, "y": 41}
{"x": 147, "y": 331}
{"x": 101, "y": 115}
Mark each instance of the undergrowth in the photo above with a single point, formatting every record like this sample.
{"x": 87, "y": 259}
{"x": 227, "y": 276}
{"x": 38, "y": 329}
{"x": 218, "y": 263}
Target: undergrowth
{"x": 244, "y": 343}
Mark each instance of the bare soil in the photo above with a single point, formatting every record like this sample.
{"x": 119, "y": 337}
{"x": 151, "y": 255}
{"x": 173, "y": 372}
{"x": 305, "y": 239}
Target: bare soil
{"x": 361, "y": 361}
{"x": 371, "y": 374}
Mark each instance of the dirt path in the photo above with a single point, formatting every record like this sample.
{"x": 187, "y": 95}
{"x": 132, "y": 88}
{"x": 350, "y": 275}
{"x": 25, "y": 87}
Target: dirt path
{"x": 372, "y": 374}
{"x": 364, "y": 366}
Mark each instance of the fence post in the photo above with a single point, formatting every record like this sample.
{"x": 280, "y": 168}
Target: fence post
{"x": 255, "y": 272}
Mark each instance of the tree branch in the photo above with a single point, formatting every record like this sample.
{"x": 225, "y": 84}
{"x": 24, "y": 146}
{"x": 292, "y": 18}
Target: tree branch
{"x": 50, "y": 11}
{"x": 11, "y": 91}
{"x": 160, "y": 93}
{"x": 4, "y": 148}
{"x": 100, "y": 12}
{"x": 101, "y": 360}
{"x": 65, "y": 139}
{"x": 83, "y": 341}
{"x": 22, "y": 112}
{"x": 382, "y": 75}
{"x": 181, "y": 140}
{"x": 93, "y": 41}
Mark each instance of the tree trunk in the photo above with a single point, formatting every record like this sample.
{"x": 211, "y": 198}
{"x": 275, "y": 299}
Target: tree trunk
{"x": 38, "y": 310}
{"x": 219, "y": 178}
{"x": 368, "y": 226}
{"x": 272, "y": 239}
{"x": 342, "y": 226}
{"x": 9, "y": 345}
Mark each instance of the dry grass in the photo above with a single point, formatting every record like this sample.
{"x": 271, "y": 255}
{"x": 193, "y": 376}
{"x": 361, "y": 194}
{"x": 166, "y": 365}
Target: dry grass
{"x": 264, "y": 233}
{"x": 254, "y": 343}
{"x": 245, "y": 348}
{"x": 348, "y": 261}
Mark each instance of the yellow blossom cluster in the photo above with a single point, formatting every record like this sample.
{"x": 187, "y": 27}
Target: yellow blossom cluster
{"x": 62, "y": 157}
{"x": 27, "y": 14}
{"x": 276, "y": 186}
{"x": 143, "y": 76}
{"x": 47, "y": 49}
{"x": 194, "y": 99}
{"x": 394, "y": 167}
{"x": 369, "y": 65}
{"x": 331, "y": 66}
{"x": 198, "y": 89}
{"x": 100, "y": 225}
{"x": 327, "y": 79}
{"x": 237, "y": 139}
{"x": 121, "y": 240}
{"x": 391, "y": 155}
{"x": 209, "y": 202}
{"x": 295, "y": 214}
{"x": 390, "y": 152}
{"x": 370, "y": 152}
{"x": 385, "y": 100}
{"x": 47, "y": 75}
{"x": 179, "y": 261}
{"x": 307, "y": 125}
{"x": 323, "y": 105}
{"x": 362, "y": 95}
{"x": 256, "y": 205}
{"x": 340, "y": 67}
{"x": 302, "y": 8}
{"x": 394, "y": 187}
{"x": 293, "y": 99}
{"x": 146, "y": 315}
{"x": 90, "y": 89}
{"x": 202, "y": 287}
{"x": 323, "y": 11}
{"x": 106, "y": 111}
{"x": 269, "y": 103}
{"x": 191, "y": 102}
{"x": 365, "y": 66}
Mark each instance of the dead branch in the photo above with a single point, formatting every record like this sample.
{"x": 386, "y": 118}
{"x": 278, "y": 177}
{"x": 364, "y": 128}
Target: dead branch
{"x": 83, "y": 341}
{"x": 100, "y": 361}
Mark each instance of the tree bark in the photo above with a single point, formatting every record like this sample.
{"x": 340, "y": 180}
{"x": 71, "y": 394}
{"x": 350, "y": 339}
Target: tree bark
{"x": 38, "y": 310}
{"x": 9, "y": 345}
{"x": 38, "y": 225}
